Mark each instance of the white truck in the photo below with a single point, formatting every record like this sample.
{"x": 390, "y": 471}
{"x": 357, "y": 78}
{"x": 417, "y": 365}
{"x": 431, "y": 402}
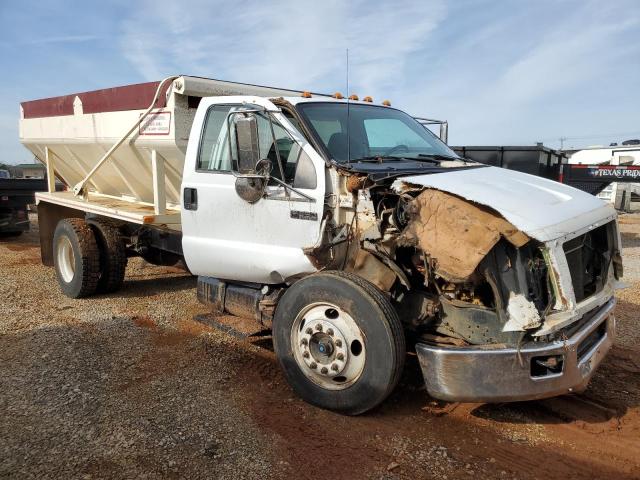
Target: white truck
{"x": 347, "y": 228}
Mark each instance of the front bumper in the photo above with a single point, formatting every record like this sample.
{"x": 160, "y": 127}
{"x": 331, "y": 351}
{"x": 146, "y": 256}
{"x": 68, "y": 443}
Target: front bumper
{"x": 489, "y": 374}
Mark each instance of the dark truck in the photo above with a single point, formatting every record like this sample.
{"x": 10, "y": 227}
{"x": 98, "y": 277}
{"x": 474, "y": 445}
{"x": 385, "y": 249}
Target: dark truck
{"x": 16, "y": 194}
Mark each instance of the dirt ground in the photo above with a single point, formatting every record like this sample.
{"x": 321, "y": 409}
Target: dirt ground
{"x": 129, "y": 385}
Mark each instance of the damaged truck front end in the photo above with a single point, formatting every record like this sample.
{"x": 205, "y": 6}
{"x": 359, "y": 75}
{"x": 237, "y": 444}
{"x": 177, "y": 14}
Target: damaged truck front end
{"x": 498, "y": 311}
{"x": 504, "y": 282}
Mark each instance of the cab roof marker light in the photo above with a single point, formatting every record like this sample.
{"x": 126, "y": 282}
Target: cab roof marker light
{"x": 338, "y": 95}
{"x": 386, "y": 103}
{"x": 306, "y": 94}
{"x": 353, "y": 97}
{"x": 367, "y": 99}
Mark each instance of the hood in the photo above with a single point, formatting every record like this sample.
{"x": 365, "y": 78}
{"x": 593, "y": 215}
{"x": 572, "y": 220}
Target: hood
{"x": 543, "y": 209}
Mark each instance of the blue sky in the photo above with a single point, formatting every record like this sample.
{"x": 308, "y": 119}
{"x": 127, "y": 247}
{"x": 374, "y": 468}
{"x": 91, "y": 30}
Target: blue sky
{"x": 502, "y": 72}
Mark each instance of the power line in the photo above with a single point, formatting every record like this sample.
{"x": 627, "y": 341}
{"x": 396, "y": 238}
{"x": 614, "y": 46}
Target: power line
{"x": 587, "y": 137}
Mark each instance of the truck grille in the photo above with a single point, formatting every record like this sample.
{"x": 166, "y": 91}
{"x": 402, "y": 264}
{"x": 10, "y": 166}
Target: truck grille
{"x": 589, "y": 257}
{"x": 592, "y": 339}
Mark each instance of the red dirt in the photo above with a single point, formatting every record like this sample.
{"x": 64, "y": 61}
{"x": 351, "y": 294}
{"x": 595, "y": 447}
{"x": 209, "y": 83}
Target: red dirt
{"x": 566, "y": 437}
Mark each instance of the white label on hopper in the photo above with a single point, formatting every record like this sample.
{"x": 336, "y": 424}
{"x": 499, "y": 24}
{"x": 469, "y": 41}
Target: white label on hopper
{"x": 158, "y": 123}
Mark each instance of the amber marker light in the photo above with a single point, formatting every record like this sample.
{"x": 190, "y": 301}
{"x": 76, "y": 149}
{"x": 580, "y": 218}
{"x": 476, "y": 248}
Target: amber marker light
{"x": 354, "y": 97}
{"x": 306, "y": 95}
{"x": 367, "y": 99}
{"x": 338, "y": 95}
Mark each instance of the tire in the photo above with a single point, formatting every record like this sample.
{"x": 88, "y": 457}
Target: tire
{"x": 76, "y": 258}
{"x": 339, "y": 308}
{"x": 113, "y": 255}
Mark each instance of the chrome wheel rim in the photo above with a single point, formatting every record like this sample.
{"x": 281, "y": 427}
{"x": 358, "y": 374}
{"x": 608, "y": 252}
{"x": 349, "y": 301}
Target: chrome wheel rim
{"x": 328, "y": 346}
{"x": 66, "y": 259}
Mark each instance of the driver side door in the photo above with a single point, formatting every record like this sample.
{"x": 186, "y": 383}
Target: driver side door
{"x": 226, "y": 237}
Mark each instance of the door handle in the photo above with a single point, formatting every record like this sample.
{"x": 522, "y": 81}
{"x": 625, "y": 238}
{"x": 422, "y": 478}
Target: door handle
{"x": 190, "y": 199}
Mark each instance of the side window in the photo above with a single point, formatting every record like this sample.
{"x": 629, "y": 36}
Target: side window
{"x": 214, "y": 148}
{"x": 326, "y": 128}
{"x": 298, "y": 167}
{"x": 305, "y": 176}
{"x": 214, "y": 144}
{"x": 288, "y": 149}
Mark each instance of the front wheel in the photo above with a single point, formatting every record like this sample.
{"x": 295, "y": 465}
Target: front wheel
{"x": 339, "y": 342}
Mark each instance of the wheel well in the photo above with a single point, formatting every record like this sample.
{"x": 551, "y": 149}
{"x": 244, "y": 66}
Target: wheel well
{"x": 49, "y": 214}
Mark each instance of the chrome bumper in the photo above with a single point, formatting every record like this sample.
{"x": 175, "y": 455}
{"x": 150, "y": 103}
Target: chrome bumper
{"x": 484, "y": 374}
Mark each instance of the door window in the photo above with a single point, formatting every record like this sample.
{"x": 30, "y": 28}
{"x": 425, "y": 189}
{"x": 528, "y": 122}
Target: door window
{"x": 214, "y": 144}
{"x": 214, "y": 147}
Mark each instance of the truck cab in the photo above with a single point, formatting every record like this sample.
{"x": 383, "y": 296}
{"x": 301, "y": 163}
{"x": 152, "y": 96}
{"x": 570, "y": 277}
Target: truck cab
{"x": 355, "y": 235}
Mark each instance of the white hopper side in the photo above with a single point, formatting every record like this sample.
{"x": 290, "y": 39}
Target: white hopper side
{"x": 79, "y": 129}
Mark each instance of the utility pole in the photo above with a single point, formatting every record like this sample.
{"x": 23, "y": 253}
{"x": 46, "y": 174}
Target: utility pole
{"x": 562, "y": 140}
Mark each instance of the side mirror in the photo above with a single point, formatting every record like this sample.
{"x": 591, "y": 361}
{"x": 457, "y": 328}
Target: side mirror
{"x": 251, "y": 187}
{"x": 248, "y": 143}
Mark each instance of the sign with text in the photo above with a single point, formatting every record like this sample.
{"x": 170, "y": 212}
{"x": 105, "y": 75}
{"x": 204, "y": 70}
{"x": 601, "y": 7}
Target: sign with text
{"x": 157, "y": 123}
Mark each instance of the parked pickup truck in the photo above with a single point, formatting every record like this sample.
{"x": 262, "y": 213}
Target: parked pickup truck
{"x": 347, "y": 228}
{"x": 16, "y": 194}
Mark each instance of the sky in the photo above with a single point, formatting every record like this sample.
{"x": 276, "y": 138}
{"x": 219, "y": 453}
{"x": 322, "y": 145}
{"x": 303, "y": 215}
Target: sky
{"x": 502, "y": 72}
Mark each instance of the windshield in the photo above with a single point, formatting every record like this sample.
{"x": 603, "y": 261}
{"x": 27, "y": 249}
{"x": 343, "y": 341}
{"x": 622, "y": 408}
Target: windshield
{"x": 372, "y": 131}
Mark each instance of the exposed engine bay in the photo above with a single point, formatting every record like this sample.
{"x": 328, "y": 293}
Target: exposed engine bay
{"x": 457, "y": 271}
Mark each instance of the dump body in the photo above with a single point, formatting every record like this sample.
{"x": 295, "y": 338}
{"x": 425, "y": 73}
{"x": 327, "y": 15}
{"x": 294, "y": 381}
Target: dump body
{"x": 73, "y": 132}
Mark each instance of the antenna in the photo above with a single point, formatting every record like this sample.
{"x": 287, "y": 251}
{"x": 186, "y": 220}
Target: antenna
{"x": 348, "y": 116}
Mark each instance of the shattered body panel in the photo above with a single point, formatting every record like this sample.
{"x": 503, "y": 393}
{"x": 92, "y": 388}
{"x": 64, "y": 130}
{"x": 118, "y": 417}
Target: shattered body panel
{"x": 457, "y": 233}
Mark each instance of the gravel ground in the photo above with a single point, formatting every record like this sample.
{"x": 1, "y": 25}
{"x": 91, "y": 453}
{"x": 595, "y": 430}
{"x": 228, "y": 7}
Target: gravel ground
{"x": 128, "y": 385}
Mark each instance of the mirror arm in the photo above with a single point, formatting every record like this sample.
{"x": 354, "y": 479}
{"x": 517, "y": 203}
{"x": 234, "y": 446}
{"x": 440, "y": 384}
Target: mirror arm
{"x": 268, "y": 178}
{"x": 288, "y": 187}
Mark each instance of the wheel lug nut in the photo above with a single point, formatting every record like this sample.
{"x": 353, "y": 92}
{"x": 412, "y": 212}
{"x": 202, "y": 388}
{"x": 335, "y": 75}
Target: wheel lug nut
{"x": 323, "y": 370}
{"x": 338, "y": 343}
{"x": 319, "y": 327}
{"x": 305, "y": 354}
{"x": 309, "y": 331}
{"x": 340, "y": 356}
{"x": 313, "y": 365}
{"x": 334, "y": 367}
{"x": 303, "y": 341}
{"x": 330, "y": 332}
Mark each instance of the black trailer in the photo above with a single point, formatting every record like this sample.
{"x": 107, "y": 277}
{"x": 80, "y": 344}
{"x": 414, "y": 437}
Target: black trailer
{"x": 16, "y": 195}
{"x": 552, "y": 164}
{"x": 536, "y": 160}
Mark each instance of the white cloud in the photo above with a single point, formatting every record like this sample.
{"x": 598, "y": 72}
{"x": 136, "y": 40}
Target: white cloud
{"x": 535, "y": 75}
{"x": 287, "y": 43}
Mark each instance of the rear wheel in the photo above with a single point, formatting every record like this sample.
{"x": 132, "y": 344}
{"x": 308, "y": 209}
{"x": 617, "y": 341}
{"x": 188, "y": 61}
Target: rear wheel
{"x": 113, "y": 255}
{"x": 339, "y": 342}
{"x": 76, "y": 258}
